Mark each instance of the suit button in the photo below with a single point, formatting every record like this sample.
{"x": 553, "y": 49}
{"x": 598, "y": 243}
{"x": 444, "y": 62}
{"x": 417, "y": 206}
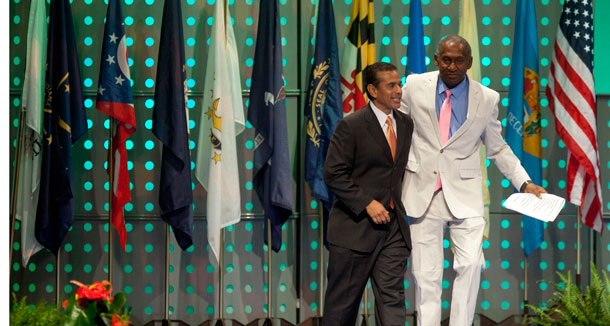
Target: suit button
{"x": 441, "y": 150}
{"x": 435, "y": 172}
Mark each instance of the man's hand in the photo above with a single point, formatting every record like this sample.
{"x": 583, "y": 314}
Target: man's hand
{"x": 378, "y": 213}
{"x": 535, "y": 189}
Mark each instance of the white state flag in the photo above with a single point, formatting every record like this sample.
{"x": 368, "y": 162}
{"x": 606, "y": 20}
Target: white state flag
{"x": 31, "y": 153}
{"x": 222, "y": 118}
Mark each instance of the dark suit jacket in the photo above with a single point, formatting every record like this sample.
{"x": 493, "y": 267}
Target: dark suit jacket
{"x": 359, "y": 168}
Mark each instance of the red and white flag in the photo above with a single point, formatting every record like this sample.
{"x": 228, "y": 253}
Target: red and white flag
{"x": 114, "y": 98}
{"x": 571, "y": 95}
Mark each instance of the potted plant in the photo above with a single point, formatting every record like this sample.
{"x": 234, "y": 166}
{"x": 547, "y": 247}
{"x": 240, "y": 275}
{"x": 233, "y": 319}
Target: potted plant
{"x": 569, "y": 307}
{"x": 41, "y": 314}
{"x": 94, "y": 305}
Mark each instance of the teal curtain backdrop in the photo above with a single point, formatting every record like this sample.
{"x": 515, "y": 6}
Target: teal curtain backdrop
{"x": 139, "y": 271}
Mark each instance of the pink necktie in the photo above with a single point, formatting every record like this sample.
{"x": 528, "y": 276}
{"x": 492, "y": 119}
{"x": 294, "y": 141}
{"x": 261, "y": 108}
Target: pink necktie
{"x": 444, "y": 123}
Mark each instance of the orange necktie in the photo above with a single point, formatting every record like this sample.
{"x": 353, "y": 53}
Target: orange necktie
{"x": 391, "y": 137}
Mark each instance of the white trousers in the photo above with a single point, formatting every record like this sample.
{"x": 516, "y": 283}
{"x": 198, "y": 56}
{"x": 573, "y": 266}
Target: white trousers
{"x": 428, "y": 263}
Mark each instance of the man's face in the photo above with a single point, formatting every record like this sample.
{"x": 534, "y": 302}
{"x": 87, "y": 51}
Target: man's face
{"x": 388, "y": 92}
{"x": 453, "y": 62}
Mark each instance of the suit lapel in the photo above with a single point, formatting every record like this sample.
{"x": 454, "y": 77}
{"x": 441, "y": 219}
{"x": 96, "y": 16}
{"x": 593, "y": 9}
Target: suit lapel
{"x": 376, "y": 132}
{"x": 401, "y": 127}
{"x": 474, "y": 101}
{"x": 430, "y": 92}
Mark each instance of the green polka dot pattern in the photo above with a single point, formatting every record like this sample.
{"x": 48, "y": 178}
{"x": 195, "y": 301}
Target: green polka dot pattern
{"x": 193, "y": 276}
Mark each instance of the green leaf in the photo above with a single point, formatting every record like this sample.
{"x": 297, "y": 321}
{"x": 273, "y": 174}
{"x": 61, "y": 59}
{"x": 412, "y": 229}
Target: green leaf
{"x": 570, "y": 307}
{"x": 91, "y": 311}
{"x": 118, "y": 302}
{"x": 106, "y": 318}
{"x": 75, "y": 315}
{"x": 42, "y": 314}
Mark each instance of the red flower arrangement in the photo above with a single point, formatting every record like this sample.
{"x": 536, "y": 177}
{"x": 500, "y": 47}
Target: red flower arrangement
{"x": 94, "y": 305}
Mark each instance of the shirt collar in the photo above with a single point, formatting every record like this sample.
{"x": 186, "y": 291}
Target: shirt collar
{"x": 457, "y": 91}
{"x": 381, "y": 116}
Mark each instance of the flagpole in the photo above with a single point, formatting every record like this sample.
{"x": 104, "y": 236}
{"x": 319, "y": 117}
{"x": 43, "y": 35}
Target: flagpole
{"x": 57, "y": 262}
{"x": 110, "y": 186}
{"x": 16, "y": 186}
{"x": 321, "y": 300}
{"x": 525, "y": 286}
{"x": 166, "y": 318}
{"x": 578, "y": 246}
{"x": 269, "y": 274}
{"x": 220, "y": 276}
{"x": 365, "y": 298}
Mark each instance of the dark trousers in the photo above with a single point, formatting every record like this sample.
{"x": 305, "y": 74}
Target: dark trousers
{"x": 349, "y": 271}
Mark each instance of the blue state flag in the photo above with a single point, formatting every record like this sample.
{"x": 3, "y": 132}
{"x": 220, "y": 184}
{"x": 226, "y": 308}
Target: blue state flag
{"x": 267, "y": 113}
{"x": 64, "y": 121}
{"x": 416, "y": 51}
{"x": 323, "y": 109}
{"x": 170, "y": 126}
{"x": 523, "y": 117}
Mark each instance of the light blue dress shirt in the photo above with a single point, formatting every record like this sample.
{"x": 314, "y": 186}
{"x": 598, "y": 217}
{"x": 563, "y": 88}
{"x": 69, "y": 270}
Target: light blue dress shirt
{"x": 459, "y": 103}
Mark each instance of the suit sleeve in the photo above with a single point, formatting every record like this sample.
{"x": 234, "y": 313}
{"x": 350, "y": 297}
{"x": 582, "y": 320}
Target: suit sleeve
{"x": 338, "y": 169}
{"x": 499, "y": 151}
{"x": 404, "y": 101}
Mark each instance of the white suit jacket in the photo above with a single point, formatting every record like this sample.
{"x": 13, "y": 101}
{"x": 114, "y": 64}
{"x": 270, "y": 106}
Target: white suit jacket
{"x": 458, "y": 162}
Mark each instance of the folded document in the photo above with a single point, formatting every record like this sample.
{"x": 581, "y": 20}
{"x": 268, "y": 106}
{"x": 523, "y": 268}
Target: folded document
{"x": 545, "y": 209}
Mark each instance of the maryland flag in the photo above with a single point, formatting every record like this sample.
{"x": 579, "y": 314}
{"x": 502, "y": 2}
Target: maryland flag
{"x": 359, "y": 52}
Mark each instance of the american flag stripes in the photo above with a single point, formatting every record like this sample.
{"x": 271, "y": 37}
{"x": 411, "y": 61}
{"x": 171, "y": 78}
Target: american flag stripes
{"x": 571, "y": 95}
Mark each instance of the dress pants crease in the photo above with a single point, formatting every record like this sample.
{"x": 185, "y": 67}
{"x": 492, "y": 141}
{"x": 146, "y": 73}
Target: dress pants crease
{"x": 428, "y": 263}
{"x": 349, "y": 271}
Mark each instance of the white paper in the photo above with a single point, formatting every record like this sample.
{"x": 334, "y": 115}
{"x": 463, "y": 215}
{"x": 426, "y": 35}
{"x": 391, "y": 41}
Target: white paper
{"x": 545, "y": 209}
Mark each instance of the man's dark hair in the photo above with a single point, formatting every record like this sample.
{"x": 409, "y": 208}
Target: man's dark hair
{"x": 370, "y": 74}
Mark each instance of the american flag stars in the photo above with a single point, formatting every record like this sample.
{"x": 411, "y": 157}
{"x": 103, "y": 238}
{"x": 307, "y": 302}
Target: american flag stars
{"x": 113, "y": 38}
{"x": 578, "y": 23}
{"x": 119, "y": 80}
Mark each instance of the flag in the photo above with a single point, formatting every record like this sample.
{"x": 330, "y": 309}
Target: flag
{"x": 222, "y": 119}
{"x": 359, "y": 52}
{"x": 64, "y": 122}
{"x": 323, "y": 109}
{"x": 468, "y": 29}
{"x": 523, "y": 118}
{"x": 416, "y": 51}
{"x": 267, "y": 113}
{"x": 32, "y": 101}
{"x": 571, "y": 95}
{"x": 170, "y": 117}
{"x": 114, "y": 98}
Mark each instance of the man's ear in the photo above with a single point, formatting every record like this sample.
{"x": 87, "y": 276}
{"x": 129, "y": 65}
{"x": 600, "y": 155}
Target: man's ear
{"x": 372, "y": 90}
{"x": 469, "y": 63}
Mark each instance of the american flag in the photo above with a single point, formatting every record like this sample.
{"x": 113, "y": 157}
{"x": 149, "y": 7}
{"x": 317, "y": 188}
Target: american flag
{"x": 571, "y": 95}
{"x": 114, "y": 98}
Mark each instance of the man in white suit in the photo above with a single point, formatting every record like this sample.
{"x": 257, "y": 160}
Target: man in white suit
{"x": 453, "y": 116}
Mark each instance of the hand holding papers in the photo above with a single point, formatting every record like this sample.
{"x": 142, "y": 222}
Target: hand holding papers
{"x": 545, "y": 209}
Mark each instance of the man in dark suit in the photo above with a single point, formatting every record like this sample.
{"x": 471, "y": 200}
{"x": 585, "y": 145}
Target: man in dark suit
{"x": 368, "y": 230}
